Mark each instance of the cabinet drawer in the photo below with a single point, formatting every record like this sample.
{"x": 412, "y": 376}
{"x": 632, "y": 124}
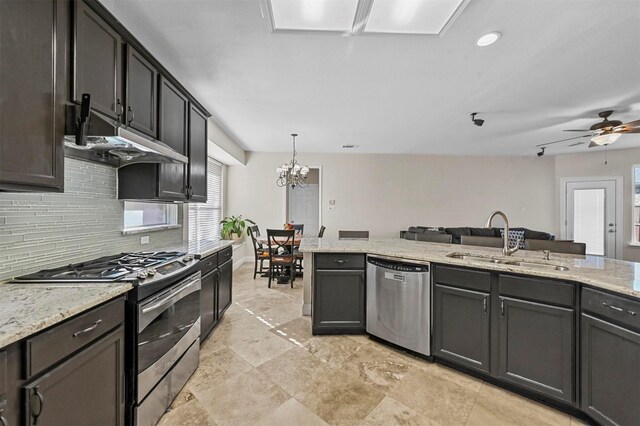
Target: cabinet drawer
{"x": 49, "y": 347}
{"x": 224, "y": 255}
{"x": 463, "y": 278}
{"x": 537, "y": 290}
{"x": 620, "y": 309}
{"x": 208, "y": 264}
{"x": 340, "y": 261}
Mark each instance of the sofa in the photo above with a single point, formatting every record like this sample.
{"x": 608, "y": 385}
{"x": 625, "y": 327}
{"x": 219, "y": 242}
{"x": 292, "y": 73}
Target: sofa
{"x": 458, "y": 232}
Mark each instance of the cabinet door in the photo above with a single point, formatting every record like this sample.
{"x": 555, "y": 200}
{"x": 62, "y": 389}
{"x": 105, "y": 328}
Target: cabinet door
{"x": 339, "y": 303}
{"x": 98, "y": 62}
{"x": 174, "y": 108}
{"x": 197, "y": 155}
{"x": 32, "y": 94}
{"x": 461, "y": 326}
{"x": 86, "y": 389}
{"x": 208, "y": 310}
{"x": 610, "y": 372}
{"x": 536, "y": 347}
{"x": 142, "y": 94}
{"x": 225, "y": 287}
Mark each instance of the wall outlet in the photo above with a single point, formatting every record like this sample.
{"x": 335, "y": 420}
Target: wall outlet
{"x": 332, "y": 208}
{"x": 144, "y": 240}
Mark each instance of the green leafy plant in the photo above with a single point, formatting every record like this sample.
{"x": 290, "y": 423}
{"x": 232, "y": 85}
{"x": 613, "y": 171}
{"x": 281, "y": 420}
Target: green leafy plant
{"x": 234, "y": 225}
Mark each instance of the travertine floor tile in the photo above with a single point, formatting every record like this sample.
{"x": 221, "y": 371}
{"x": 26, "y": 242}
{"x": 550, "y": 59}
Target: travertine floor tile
{"x": 291, "y": 413}
{"x": 436, "y": 396}
{"x": 340, "y": 398}
{"x": 259, "y": 348}
{"x": 297, "y": 330}
{"x": 391, "y": 412}
{"x": 294, "y": 369}
{"x": 191, "y": 413}
{"x": 218, "y": 366}
{"x": 378, "y": 367}
{"x": 241, "y": 400}
{"x": 496, "y": 406}
{"x": 333, "y": 350}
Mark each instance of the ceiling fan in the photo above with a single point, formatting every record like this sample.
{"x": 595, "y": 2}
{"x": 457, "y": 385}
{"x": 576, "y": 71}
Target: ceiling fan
{"x": 604, "y": 132}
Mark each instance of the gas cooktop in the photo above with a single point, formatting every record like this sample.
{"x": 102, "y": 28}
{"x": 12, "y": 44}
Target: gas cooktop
{"x": 123, "y": 266}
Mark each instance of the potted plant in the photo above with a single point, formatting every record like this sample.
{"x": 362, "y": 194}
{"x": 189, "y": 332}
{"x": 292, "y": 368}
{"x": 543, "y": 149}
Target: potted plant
{"x": 233, "y": 228}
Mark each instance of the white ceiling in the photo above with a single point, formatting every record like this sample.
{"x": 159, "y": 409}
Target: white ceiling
{"x": 557, "y": 64}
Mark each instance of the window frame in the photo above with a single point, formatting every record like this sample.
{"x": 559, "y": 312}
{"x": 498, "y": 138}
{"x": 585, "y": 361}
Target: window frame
{"x": 212, "y": 165}
{"x": 172, "y": 213}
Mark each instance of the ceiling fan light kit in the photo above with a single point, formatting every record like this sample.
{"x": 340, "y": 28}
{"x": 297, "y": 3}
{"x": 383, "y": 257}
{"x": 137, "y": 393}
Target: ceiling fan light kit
{"x": 605, "y": 139}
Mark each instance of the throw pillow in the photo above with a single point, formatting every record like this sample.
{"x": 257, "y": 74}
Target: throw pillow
{"x": 513, "y": 238}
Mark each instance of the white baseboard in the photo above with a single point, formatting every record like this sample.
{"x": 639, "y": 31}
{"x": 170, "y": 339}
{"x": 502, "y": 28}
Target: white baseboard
{"x": 242, "y": 261}
{"x": 306, "y": 309}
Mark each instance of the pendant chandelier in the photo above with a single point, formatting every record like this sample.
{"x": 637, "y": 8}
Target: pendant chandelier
{"x": 293, "y": 174}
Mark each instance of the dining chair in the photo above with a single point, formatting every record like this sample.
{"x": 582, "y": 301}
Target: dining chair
{"x": 259, "y": 251}
{"x": 281, "y": 254}
{"x": 298, "y": 227}
{"x": 321, "y": 233}
{"x": 567, "y": 247}
{"x": 353, "y": 234}
{"x": 473, "y": 240}
{"x": 434, "y": 237}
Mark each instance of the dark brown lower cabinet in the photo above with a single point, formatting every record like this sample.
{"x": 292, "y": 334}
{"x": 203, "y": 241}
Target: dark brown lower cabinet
{"x": 87, "y": 388}
{"x": 339, "y": 302}
{"x": 610, "y": 372}
{"x": 536, "y": 347}
{"x": 225, "y": 287}
{"x": 208, "y": 303}
{"x": 461, "y": 326}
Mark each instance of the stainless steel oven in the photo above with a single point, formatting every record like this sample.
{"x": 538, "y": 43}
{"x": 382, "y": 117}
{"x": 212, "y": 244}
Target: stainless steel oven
{"x": 168, "y": 331}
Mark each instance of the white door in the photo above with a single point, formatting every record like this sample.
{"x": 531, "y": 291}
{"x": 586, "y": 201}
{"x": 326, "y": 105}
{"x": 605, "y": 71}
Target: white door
{"x": 304, "y": 207}
{"x": 591, "y": 215}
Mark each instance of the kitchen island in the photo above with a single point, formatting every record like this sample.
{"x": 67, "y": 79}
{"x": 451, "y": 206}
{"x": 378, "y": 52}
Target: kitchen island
{"x": 564, "y": 331}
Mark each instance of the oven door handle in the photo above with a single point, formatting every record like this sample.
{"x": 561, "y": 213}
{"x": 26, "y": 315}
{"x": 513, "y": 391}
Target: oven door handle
{"x": 183, "y": 289}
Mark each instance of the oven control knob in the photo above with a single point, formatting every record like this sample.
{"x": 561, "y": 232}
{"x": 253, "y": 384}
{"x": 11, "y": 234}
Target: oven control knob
{"x": 187, "y": 258}
{"x": 142, "y": 274}
{"x": 151, "y": 272}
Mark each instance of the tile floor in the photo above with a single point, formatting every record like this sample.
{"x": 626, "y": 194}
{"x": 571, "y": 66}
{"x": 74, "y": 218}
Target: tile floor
{"x": 262, "y": 366}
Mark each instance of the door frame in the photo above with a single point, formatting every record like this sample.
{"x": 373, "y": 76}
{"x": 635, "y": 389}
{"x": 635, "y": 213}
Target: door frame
{"x": 619, "y": 206}
{"x": 284, "y": 198}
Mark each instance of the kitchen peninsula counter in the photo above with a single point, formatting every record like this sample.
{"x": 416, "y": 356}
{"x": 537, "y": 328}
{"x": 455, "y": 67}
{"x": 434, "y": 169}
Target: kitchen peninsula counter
{"x": 608, "y": 274}
{"x": 26, "y": 309}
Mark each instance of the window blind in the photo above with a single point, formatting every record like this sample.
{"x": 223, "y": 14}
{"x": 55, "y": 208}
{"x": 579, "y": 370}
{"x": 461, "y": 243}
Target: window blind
{"x": 204, "y": 218}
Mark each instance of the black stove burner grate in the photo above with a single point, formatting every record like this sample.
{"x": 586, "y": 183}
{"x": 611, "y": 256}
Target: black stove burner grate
{"x": 107, "y": 268}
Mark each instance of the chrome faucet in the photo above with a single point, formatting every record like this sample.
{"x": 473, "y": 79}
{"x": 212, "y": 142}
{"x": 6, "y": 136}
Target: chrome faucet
{"x": 505, "y": 250}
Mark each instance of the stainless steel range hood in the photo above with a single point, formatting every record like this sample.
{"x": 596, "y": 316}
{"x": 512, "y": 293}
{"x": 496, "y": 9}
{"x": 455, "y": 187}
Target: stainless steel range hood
{"x": 96, "y": 137}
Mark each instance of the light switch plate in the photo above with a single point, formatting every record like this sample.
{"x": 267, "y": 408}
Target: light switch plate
{"x": 144, "y": 240}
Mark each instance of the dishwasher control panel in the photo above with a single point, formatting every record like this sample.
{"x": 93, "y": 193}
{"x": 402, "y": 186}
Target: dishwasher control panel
{"x": 397, "y": 266}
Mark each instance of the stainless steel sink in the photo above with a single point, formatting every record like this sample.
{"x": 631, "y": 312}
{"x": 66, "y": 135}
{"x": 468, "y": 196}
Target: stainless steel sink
{"x": 537, "y": 265}
{"x": 477, "y": 257}
{"x": 508, "y": 261}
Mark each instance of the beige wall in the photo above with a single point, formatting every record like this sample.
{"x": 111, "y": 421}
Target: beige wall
{"x": 388, "y": 193}
{"x": 620, "y": 163}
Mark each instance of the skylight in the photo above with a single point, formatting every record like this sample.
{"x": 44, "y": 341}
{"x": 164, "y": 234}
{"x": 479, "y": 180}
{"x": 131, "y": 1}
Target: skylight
{"x": 355, "y": 17}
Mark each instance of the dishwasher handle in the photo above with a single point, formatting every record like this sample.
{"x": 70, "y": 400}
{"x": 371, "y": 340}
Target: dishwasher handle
{"x": 399, "y": 266}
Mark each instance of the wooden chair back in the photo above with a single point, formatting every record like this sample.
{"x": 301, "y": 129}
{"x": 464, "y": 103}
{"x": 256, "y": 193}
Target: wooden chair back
{"x": 567, "y": 247}
{"x": 472, "y": 240}
{"x": 353, "y": 234}
{"x": 281, "y": 244}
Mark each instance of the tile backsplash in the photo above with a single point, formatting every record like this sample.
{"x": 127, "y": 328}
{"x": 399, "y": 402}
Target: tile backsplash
{"x": 42, "y": 230}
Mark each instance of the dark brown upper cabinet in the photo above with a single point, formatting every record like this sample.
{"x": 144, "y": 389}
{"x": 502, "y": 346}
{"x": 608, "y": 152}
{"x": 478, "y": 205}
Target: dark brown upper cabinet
{"x": 33, "y": 91}
{"x": 197, "y": 178}
{"x": 98, "y": 62}
{"x": 174, "y": 116}
{"x": 142, "y": 94}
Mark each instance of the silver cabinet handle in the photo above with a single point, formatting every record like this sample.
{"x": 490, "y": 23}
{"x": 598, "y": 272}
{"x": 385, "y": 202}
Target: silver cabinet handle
{"x": 616, "y": 308}
{"x": 340, "y": 261}
{"x": 86, "y": 330}
{"x": 484, "y": 304}
{"x": 129, "y": 120}
{"x": 501, "y": 308}
{"x": 40, "y": 406}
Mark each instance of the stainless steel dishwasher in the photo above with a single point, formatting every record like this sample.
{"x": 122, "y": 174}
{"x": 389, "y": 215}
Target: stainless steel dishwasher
{"x": 399, "y": 302}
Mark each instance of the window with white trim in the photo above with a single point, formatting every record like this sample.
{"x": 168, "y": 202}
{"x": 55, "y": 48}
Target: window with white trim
{"x": 148, "y": 216}
{"x": 204, "y": 218}
{"x": 636, "y": 205}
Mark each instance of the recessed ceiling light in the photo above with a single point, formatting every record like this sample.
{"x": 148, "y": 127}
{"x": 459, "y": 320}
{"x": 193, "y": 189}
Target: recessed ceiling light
{"x": 488, "y": 39}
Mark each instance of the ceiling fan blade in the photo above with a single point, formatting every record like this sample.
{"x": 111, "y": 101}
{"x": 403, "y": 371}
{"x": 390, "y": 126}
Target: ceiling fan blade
{"x": 577, "y": 130}
{"x": 593, "y": 145}
{"x": 562, "y": 140}
{"x": 632, "y": 130}
{"x": 632, "y": 124}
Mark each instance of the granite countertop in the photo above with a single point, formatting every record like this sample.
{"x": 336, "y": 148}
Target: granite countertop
{"x": 608, "y": 274}
{"x": 201, "y": 248}
{"x": 26, "y": 309}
